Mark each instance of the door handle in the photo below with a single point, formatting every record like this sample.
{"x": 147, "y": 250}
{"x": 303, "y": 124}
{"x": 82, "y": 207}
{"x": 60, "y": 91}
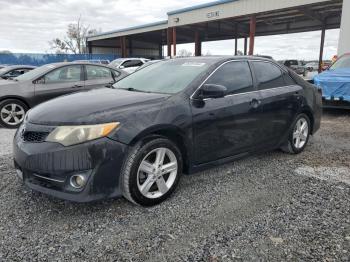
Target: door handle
{"x": 77, "y": 86}
{"x": 255, "y": 103}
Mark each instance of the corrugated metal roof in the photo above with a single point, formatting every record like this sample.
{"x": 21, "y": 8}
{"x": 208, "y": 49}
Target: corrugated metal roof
{"x": 195, "y": 7}
{"x": 131, "y": 28}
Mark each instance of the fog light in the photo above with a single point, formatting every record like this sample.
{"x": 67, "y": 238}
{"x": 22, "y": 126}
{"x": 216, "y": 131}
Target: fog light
{"x": 78, "y": 181}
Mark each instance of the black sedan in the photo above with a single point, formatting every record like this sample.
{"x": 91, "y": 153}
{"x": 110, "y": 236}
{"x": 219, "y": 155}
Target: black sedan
{"x": 175, "y": 116}
{"x": 15, "y": 71}
{"x": 19, "y": 94}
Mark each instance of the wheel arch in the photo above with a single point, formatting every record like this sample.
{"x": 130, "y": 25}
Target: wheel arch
{"x": 307, "y": 111}
{"x": 21, "y": 99}
{"x": 174, "y": 134}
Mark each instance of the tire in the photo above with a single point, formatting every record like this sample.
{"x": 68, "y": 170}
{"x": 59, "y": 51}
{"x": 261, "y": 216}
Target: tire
{"x": 12, "y": 113}
{"x": 143, "y": 181}
{"x": 292, "y": 146}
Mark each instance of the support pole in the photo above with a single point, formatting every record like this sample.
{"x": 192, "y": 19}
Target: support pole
{"x": 89, "y": 47}
{"x": 131, "y": 53}
{"x": 252, "y": 34}
{"x": 169, "y": 40}
{"x": 123, "y": 46}
{"x": 174, "y": 41}
{"x": 323, "y": 34}
{"x": 245, "y": 45}
{"x": 197, "y": 44}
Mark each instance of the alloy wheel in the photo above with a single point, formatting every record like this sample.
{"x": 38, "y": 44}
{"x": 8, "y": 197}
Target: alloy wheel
{"x": 157, "y": 173}
{"x": 301, "y": 133}
{"x": 12, "y": 114}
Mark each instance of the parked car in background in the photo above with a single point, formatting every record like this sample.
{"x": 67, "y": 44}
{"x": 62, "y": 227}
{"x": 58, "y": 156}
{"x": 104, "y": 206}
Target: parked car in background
{"x": 3, "y": 65}
{"x": 14, "y": 71}
{"x": 128, "y": 64}
{"x": 150, "y": 62}
{"x": 94, "y": 61}
{"x": 47, "y": 82}
{"x": 312, "y": 66}
{"x": 326, "y": 64}
{"x": 172, "y": 117}
{"x": 335, "y": 83}
{"x": 296, "y": 65}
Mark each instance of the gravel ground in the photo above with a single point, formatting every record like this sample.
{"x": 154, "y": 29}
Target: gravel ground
{"x": 269, "y": 207}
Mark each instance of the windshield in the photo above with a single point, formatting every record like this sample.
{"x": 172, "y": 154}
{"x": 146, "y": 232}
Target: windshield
{"x": 33, "y": 74}
{"x": 342, "y": 62}
{"x": 168, "y": 77}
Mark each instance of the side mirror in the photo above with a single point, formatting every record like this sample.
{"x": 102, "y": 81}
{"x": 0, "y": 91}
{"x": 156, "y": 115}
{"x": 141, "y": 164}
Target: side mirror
{"x": 39, "y": 81}
{"x": 122, "y": 67}
{"x": 212, "y": 91}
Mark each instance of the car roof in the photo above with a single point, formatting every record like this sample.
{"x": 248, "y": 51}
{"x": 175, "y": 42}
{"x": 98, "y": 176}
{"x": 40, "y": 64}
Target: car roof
{"x": 19, "y": 66}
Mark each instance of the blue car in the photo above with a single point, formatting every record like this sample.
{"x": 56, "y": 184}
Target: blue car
{"x": 335, "y": 84}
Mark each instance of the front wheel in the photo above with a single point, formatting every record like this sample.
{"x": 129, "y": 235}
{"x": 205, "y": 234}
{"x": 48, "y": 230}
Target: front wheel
{"x": 12, "y": 113}
{"x": 151, "y": 171}
{"x": 299, "y": 135}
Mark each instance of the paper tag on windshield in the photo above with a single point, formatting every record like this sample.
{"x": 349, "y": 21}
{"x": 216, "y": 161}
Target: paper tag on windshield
{"x": 193, "y": 64}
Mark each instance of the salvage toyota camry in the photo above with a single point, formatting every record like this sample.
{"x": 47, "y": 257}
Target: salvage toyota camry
{"x": 173, "y": 117}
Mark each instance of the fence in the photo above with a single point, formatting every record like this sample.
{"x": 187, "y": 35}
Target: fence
{"x": 42, "y": 59}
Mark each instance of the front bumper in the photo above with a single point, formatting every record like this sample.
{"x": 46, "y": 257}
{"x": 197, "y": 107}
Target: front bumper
{"x": 48, "y": 167}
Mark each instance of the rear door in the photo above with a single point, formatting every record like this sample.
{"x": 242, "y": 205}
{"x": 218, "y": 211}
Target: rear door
{"x": 227, "y": 126}
{"x": 280, "y": 100}
{"x": 99, "y": 76}
{"x": 60, "y": 81}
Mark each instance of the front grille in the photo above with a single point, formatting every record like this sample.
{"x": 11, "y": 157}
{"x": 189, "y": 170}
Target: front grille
{"x": 34, "y": 137}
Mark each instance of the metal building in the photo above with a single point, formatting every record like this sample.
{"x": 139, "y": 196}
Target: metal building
{"x": 228, "y": 19}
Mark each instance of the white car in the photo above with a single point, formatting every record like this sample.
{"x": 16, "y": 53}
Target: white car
{"x": 312, "y": 66}
{"x": 129, "y": 65}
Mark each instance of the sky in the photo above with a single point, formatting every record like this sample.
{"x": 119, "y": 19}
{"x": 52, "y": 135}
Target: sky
{"x": 28, "y": 26}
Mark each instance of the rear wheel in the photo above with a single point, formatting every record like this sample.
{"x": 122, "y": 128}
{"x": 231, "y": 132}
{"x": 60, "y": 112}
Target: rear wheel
{"x": 151, "y": 172}
{"x": 12, "y": 113}
{"x": 299, "y": 135}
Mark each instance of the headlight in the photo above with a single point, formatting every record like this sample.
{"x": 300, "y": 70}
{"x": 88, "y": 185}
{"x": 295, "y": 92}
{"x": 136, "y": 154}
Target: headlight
{"x": 71, "y": 135}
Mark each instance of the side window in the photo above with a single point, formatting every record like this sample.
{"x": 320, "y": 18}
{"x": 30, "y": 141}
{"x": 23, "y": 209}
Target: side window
{"x": 98, "y": 72}
{"x": 132, "y": 63}
{"x": 64, "y": 74}
{"x": 235, "y": 76}
{"x": 268, "y": 75}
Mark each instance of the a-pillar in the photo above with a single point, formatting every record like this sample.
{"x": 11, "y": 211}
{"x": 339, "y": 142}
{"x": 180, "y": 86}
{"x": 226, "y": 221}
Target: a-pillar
{"x": 344, "y": 36}
{"x": 252, "y": 34}
{"x": 236, "y": 39}
{"x": 197, "y": 44}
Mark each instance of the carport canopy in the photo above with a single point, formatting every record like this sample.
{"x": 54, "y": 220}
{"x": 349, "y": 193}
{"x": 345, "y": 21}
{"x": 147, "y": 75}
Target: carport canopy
{"x": 222, "y": 20}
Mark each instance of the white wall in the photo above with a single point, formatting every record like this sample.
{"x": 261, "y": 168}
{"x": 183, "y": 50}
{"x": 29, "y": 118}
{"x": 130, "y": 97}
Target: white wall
{"x": 344, "y": 35}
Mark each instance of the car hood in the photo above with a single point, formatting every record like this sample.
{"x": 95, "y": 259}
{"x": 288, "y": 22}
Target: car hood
{"x": 334, "y": 83}
{"x": 7, "y": 87}
{"x": 93, "y": 107}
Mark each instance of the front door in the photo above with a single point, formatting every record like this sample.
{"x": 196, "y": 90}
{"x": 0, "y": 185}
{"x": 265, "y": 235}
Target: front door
{"x": 227, "y": 126}
{"x": 60, "y": 81}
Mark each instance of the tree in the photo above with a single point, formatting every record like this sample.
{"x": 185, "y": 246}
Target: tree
{"x": 75, "y": 39}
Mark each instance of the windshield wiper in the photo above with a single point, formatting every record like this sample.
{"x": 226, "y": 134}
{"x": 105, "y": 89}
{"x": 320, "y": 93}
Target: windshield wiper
{"x": 134, "y": 90}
